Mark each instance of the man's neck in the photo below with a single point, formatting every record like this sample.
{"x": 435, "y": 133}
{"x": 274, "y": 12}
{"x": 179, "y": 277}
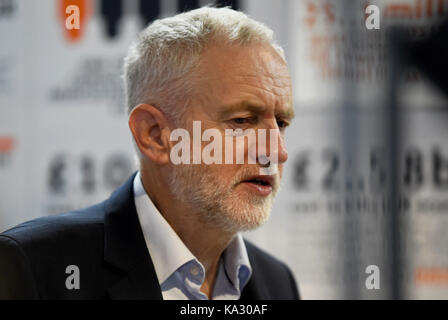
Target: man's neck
{"x": 206, "y": 245}
{"x": 205, "y": 242}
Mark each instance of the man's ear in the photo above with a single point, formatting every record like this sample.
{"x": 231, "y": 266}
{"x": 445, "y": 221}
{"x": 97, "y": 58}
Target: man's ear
{"x": 150, "y": 129}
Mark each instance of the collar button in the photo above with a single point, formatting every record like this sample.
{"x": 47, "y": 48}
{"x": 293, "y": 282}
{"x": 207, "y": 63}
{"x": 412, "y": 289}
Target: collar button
{"x": 194, "y": 270}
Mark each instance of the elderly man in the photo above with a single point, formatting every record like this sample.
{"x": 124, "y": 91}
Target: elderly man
{"x": 172, "y": 230}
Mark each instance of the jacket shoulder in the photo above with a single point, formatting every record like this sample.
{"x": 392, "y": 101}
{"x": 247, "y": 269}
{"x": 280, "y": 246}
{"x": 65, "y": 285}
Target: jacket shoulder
{"x": 34, "y": 255}
{"x": 39, "y": 229}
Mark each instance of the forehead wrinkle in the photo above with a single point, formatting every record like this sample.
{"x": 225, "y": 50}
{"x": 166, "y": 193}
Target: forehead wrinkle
{"x": 279, "y": 91}
{"x": 286, "y": 114}
{"x": 267, "y": 82}
{"x": 278, "y": 81}
{"x": 273, "y": 98}
{"x": 278, "y": 98}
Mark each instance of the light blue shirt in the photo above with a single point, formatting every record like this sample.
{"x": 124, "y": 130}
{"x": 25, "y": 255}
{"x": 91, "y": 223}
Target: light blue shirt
{"x": 179, "y": 273}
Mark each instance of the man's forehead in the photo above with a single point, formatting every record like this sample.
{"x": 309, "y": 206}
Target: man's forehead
{"x": 249, "y": 78}
{"x": 260, "y": 56}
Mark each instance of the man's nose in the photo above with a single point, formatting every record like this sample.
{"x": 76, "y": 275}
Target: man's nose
{"x": 282, "y": 151}
{"x": 275, "y": 151}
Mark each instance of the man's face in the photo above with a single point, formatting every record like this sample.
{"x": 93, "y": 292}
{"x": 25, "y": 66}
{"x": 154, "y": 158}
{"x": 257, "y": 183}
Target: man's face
{"x": 239, "y": 88}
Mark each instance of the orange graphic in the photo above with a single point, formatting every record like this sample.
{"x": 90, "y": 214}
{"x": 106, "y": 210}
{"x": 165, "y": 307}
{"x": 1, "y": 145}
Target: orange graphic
{"x": 85, "y": 11}
{"x": 418, "y": 9}
{"x": 311, "y": 18}
{"x": 431, "y": 276}
{"x": 6, "y": 144}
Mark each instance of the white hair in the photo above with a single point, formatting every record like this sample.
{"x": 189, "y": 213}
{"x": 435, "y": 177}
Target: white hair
{"x": 159, "y": 66}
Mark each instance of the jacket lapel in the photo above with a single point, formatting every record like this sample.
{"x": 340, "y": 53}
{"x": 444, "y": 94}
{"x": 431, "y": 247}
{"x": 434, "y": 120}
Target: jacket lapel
{"x": 125, "y": 248}
{"x": 256, "y": 288}
{"x": 139, "y": 284}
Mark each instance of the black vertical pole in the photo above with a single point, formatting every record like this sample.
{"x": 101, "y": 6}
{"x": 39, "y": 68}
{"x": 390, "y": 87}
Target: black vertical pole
{"x": 185, "y": 5}
{"x": 228, "y": 3}
{"x": 149, "y": 10}
{"x": 111, "y": 11}
{"x": 394, "y": 132}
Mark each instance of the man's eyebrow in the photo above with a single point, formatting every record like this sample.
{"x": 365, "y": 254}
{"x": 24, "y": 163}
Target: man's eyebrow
{"x": 257, "y": 109}
{"x": 286, "y": 114}
{"x": 242, "y": 106}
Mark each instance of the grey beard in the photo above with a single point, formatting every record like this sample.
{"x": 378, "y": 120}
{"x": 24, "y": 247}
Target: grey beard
{"x": 214, "y": 204}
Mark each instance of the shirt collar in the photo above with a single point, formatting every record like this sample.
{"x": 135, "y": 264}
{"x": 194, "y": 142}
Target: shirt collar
{"x": 236, "y": 262}
{"x": 169, "y": 253}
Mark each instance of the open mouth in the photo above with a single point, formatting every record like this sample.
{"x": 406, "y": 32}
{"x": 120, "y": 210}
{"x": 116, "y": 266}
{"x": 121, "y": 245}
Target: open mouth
{"x": 260, "y": 185}
{"x": 259, "y": 182}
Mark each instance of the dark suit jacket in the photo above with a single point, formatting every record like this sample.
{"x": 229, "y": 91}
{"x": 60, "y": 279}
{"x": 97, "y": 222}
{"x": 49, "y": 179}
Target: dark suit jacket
{"x": 106, "y": 242}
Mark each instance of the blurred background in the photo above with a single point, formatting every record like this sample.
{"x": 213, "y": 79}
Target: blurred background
{"x": 366, "y": 183}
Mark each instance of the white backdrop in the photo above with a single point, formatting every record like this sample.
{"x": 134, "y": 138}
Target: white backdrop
{"x": 331, "y": 219}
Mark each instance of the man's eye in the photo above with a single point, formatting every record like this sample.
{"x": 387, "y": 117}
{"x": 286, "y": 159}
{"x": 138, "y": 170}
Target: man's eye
{"x": 282, "y": 124}
{"x": 241, "y": 120}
